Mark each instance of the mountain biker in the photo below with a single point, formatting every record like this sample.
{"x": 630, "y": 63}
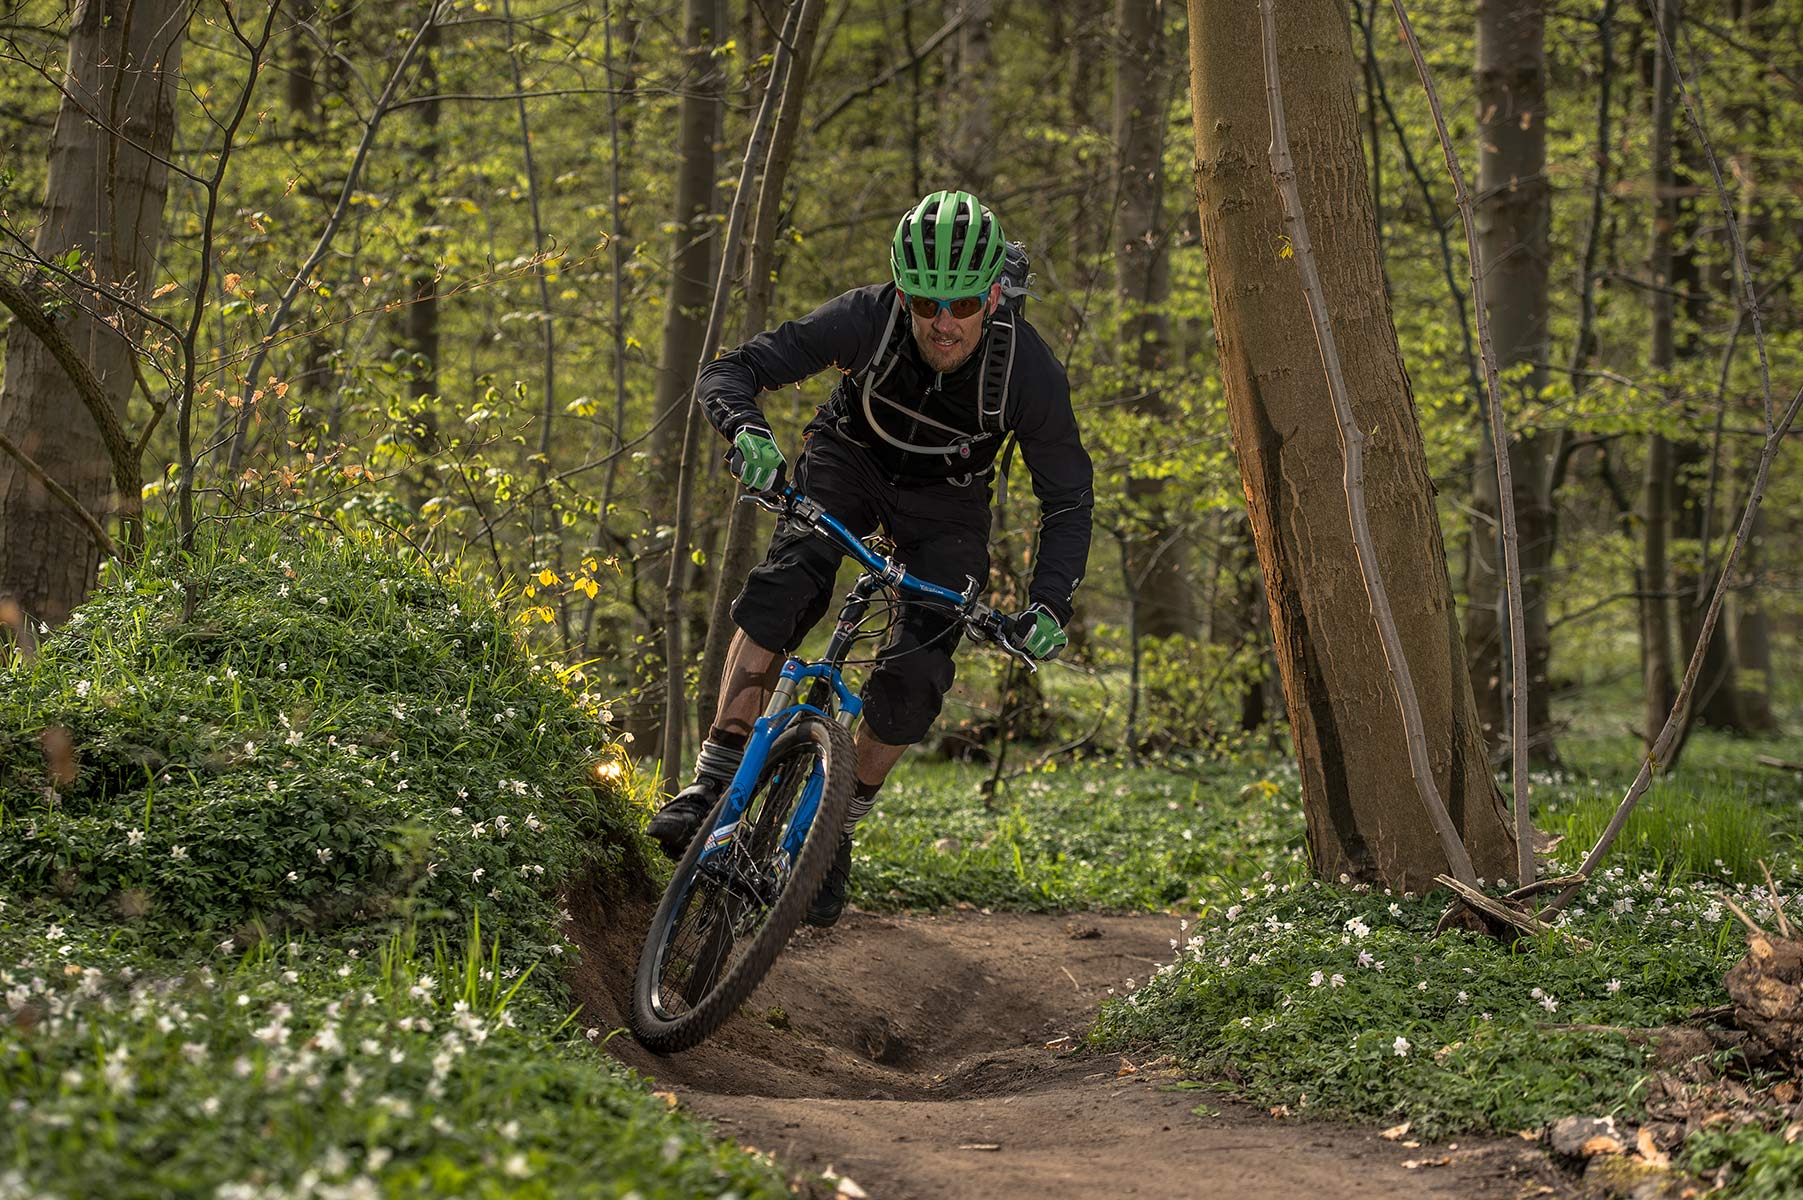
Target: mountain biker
{"x": 938, "y": 365}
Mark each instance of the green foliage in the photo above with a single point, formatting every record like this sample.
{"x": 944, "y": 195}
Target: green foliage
{"x": 330, "y": 735}
{"x": 1337, "y": 1001}
{"x": 1100, "y": 835}
{"x": 1193, "y": 690}
{"x": 1754, "y": 1164}
{"x": 1676, "y": 831}
{"x": 306, "y": 1069}
{"x": 284, "y": 915}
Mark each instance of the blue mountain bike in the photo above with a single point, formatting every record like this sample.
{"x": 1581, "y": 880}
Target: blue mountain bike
{"x": 746, "y": 881}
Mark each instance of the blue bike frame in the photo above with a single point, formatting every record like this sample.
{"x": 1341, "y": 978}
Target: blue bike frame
{"x": 846, "y": 706}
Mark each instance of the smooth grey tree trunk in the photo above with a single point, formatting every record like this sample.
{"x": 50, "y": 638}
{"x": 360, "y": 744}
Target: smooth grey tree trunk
{"x": 1514, "y": 215}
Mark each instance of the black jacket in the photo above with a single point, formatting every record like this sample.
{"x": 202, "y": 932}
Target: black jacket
{"x": 845, "y": 333}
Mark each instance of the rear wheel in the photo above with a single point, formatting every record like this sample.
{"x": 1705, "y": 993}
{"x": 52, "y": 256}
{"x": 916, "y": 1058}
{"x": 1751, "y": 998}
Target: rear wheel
{"x": 728, "y": 913}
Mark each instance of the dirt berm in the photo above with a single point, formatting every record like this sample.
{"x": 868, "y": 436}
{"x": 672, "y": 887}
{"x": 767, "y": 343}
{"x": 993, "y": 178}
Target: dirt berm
{"x": 942, "y": 1057}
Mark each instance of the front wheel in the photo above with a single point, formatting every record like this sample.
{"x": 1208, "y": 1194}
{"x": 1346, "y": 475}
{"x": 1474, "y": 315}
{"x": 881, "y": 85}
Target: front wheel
{"x": 731, "y": 906}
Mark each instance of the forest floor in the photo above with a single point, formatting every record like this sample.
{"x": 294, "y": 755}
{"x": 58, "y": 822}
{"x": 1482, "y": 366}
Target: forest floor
{"x": 944, "y": 1056}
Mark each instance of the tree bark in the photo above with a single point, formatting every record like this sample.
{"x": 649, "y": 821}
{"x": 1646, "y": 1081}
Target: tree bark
{"x": 103, "y": 200}
{"x": 677, "y": 591}
{"x": 685, "y": 325}
{"x": 1514, "y": 215}
{"x": 1364, "y": 816}
{"x": 1657, "y": 679}
{"x": 970, "y": 137}
{"x": 739, "y": 554}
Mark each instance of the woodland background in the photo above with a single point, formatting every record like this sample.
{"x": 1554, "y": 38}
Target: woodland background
{"x": 445, "y": 271}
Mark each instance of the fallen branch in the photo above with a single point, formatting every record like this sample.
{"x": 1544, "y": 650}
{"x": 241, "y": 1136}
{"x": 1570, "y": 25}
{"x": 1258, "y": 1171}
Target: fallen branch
{"x": 1500, "y": 911}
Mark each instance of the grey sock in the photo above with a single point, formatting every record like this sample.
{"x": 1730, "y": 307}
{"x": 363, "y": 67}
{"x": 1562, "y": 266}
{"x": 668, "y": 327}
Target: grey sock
{"x": 863, "y": 799}
{"x": 718, "y": 763}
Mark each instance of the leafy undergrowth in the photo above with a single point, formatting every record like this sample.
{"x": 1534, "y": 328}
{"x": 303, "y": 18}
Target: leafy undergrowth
{"x": 1102, "y": 835}
{"x": 280, "y": 881}
{"x": 1337, "y": 1000}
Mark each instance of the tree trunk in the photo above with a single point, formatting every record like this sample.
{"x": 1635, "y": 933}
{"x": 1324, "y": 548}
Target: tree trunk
{"x": 685, "y": 324}
{"x": 1142, "y": 283}
{"x": 1514, "y": 213}
{"x": 1363, "y": 810}
{"x": 1657, "y": 680}
{"x": 1753, "y": 638}
{"x": 103, "y": 200}
{"x": 970, "y": 149}
{"x": 740, "y": 552}
{"x": 1752, "y": 628}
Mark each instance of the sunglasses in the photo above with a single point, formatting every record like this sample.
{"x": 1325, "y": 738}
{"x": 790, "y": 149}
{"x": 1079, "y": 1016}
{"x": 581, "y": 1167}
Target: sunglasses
{"x": 963, "y": 308}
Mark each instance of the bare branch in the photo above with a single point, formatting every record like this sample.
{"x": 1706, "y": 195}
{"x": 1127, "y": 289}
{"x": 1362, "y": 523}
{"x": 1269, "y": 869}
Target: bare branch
{"x": 93, "y": 395}
{"x": 280, "y": 317}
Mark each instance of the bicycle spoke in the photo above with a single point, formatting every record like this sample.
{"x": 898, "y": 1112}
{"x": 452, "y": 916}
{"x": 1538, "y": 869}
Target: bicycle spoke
{"x": 733, "y": 891}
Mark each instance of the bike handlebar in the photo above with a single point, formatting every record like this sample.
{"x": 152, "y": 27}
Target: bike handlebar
{"x": 983, "y": 623}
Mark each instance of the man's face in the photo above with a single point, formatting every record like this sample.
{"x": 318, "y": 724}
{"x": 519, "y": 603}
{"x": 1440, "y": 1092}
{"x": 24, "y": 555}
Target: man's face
{"x": 946, "y": 341}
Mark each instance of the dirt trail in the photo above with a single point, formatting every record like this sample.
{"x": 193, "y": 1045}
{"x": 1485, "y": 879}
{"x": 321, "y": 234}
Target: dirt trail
{"x": 939, "y": 1056}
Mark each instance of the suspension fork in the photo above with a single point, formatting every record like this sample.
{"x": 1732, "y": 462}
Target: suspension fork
{"x": 857, "y": 602}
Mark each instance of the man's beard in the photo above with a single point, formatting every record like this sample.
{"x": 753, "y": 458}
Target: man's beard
{"x": 946, "y": 358}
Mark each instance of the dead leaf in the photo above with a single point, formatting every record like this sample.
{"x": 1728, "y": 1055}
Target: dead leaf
{"x": 1650, "y": 1153}
{"x": 164, "y": 290}
{"x": 1601, "y": 1144}
{"x": 1280, "y": 1110}
{"x": 1395, "y": 1132}
{"x": 59, "y": 755}
{"x": 1127, "y": 1068}
{"x": 1415, "y": 1164}
{"x": 1528, "y": 1135}
{"x": 669, "y": 1098}
{"x": 981, "y": 1146}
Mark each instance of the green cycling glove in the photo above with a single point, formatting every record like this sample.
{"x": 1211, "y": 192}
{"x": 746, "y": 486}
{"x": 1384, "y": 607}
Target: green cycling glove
{"x": 755, "y": 461}
{"x": 1038, "y": 633}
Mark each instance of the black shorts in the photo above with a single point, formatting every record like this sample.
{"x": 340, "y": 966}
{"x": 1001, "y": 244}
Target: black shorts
{"x": 940, "y": 531}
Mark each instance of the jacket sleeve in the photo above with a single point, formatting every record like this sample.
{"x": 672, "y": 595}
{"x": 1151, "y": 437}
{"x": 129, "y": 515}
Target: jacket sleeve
{"x": 1063, "y": 481}
{"x": 843, "y": 332}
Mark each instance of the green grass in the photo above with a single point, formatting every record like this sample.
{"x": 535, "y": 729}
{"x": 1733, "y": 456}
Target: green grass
{"x": 1715, "y": 831}
{"x": 280, "y": 898}
{"x": 1101, "y": 835}
{"x": 1340, "y": 1001}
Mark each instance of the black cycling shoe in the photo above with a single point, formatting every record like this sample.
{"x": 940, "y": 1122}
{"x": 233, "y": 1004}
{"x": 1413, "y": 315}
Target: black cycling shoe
{"x": 826, "y": 906}
{"x": 676, "y": 824}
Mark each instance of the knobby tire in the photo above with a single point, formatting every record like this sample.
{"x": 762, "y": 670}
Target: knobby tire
{"x": 724, "y": 973}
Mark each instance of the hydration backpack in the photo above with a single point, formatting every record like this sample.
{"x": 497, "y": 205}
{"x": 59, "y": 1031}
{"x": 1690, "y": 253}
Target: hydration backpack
{"x": 998, "y": 365}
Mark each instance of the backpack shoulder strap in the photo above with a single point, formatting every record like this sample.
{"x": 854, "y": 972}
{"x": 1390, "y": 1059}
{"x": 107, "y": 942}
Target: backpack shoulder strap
{"x": 888, "y": 347}
{"x": 998, "y": 372}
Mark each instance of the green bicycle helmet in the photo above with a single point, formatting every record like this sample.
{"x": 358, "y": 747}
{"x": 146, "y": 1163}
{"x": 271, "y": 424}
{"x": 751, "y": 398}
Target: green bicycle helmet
{"x": 946, "y": 247}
